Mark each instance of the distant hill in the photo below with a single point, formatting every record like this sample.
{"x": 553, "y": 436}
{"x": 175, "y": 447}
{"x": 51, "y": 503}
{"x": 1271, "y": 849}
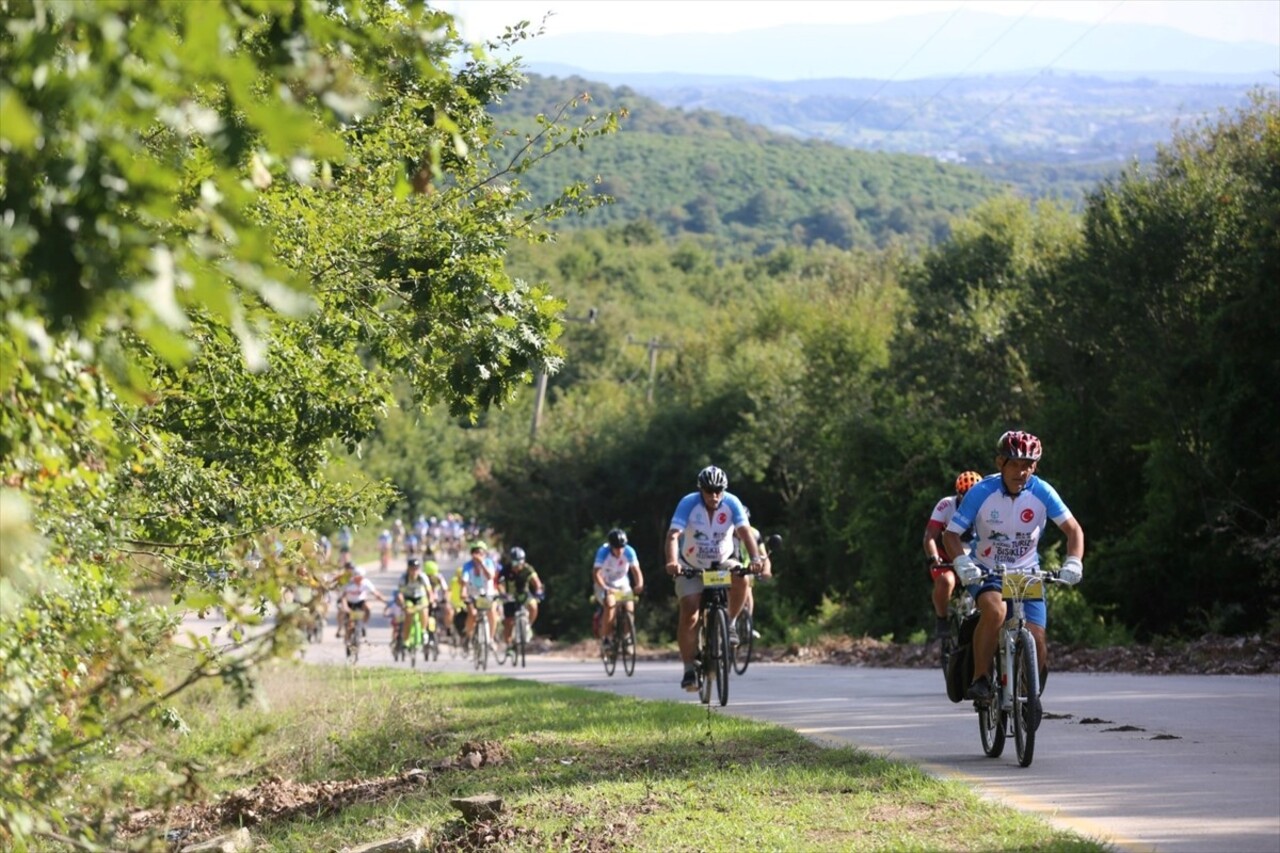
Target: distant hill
{"x": 1048, "y": 134}
{"x": 726, "y": 182}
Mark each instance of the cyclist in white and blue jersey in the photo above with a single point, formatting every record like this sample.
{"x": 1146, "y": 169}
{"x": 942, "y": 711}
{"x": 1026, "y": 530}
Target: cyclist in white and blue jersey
{"x": 615, "y": 564}
{"x": 1008, "y": 512}
{"x": 702, "y": 531}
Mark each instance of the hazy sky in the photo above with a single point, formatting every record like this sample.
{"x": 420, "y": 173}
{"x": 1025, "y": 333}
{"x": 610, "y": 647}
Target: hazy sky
{"x": 1226, "y": 20}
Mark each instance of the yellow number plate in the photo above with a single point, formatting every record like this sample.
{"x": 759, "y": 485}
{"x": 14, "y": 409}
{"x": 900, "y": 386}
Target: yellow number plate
{"x": 716, "y": 577}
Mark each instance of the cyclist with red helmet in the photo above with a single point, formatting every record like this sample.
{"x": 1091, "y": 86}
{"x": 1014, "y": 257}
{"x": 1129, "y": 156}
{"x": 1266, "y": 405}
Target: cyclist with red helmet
{"x": 940, "y": 573}
{"x": 1008, "y": 514}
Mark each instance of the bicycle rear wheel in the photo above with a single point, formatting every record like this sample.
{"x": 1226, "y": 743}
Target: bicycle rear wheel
{"x": 480, "y": 642}
{"x": 1026, "y": 699}
{"x": 746, "y": 641}
{"x": 721, "y": 655}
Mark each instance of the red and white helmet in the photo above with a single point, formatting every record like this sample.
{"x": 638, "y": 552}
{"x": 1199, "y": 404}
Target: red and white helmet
{"x": 1016, "y": 444}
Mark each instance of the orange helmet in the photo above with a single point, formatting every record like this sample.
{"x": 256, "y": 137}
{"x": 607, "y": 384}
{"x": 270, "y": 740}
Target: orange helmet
{"x": 966, "y": 481}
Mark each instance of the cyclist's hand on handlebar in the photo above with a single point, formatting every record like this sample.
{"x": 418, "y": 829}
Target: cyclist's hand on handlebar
{"x": 966, "y": 570}
{"x": 1072, "y": 571}
{"x": 673, "y": 568}
{"x": 756, "y": 565}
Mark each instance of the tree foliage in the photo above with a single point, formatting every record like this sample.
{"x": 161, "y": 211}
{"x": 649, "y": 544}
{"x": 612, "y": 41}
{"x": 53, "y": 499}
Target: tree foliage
{"x": 231, "y": 227}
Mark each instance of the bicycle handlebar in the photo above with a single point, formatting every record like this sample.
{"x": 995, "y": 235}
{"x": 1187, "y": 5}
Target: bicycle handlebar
{"x": 731, "y": 568}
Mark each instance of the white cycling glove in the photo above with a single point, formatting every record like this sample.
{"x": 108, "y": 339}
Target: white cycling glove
{"x": 1072, "y": 571}
{"x": 967, "y": 570}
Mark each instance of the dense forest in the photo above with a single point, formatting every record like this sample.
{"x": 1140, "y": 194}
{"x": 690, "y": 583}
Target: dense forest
{"x": 736, "y": 187}
{"x": 267, "y": 271}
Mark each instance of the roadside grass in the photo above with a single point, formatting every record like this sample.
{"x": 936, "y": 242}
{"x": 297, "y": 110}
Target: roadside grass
{"x": 578, "y": 770}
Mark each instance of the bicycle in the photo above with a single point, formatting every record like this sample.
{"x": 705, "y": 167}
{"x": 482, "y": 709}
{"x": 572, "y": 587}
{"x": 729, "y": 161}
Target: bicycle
{"x": 959, "y": 607}
{"x": 745, "y": 623}
{"x": 714, "y": 661}
{"x": 353, "y": 635}
{"x": 481, "y": 638}
{"x": 1015, "y": 671}
{"x": 409, "y": 642}
{"x": 521, "y": 635}
{"x": 624, "y": 636}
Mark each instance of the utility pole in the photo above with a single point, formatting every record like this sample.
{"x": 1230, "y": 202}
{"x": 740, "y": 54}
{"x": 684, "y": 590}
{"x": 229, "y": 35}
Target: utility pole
{"x": 654, "y": 344}
{"x": 540, "y": 376}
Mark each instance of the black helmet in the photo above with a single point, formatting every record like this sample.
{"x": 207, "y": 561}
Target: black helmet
{"x": 713, "y": 479}
{"x": 413, "y": 563}
{"x": 617, "y": 539}
{"x": 517, "y": 555}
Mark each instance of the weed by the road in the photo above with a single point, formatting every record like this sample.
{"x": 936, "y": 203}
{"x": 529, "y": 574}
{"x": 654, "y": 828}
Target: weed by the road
{"x": 334, "y": 757}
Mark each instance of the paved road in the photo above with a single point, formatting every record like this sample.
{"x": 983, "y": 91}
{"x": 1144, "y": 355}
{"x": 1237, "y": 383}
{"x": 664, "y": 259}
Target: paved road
{"x": 1182, "y": 764}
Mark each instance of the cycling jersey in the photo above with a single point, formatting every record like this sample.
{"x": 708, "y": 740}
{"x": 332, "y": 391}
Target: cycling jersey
{"x": 615, "y": 570}
{"x": 480, "y": 577}
{"x": 1007, "y": 528}
{"x": 707, "y": 537}
{"x": 516, "y": 583}
{"x": 355, "y": 591}
{"x": 456, "y": 590}
{"x": 413, "y": 590}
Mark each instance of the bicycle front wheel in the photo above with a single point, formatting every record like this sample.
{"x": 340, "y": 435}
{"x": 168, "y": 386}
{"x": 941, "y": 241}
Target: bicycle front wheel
{"x": 1026, "y": 699}
{"x": 627, "y": 640}
{"x": 721, "y": 655}
{"x": 481, "y": 642}
{"x": 706, "y": 663}
{"x": 991, "y": 722}
{"x": 746, "y": 641}
{"x": 609, "y": 651}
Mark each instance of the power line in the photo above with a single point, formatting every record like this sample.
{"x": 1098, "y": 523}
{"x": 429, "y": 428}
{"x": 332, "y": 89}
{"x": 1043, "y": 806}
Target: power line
{"x": 892, "y": 76}
{"x": 1029, "y": 80}
{"x": 964, "y": 70}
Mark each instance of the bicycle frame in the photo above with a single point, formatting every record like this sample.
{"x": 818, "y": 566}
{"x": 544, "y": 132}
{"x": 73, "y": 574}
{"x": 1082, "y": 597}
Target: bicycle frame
{"x": 1016, "y": 673}
{"x": 713, "y": 628}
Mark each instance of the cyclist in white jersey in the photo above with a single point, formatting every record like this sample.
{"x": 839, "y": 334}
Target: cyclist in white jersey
{"x": 702, "y": 531}
{"x": 1008, "y": 512}
{"x": 940, "y": 573}
{"x": 614, "y": 566}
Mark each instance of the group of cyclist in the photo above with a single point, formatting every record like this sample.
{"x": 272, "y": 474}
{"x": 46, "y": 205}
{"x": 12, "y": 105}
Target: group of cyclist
{"x": 996, "y": 522}
{"x": 988, "y": 522}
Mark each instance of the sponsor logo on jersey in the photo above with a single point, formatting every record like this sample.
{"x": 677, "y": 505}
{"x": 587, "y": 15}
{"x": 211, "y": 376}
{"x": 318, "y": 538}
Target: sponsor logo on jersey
{"x": 720, "y": 519}
{"x": 1027, "y": 515}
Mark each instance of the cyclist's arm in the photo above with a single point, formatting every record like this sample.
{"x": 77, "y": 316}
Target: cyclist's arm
{"x": 1075, "y": 537}
{"x": 931, "y": 550}
{"x": 749, "y": 539}
{"x": 951, "y": 542}
{"x": 670, "y": 550}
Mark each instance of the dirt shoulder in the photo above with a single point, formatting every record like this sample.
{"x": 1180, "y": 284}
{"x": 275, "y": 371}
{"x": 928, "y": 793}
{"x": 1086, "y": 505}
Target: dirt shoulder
{"x": 1208, "y": 655}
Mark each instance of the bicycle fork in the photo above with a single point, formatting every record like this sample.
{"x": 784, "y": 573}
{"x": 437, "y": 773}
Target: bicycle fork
{"x": 1008, "y": 654}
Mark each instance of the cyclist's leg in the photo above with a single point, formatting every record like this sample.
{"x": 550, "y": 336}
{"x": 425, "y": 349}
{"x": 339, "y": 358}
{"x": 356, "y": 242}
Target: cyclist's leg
{"x": 738, "y": 589}
{"x": 1035, "y": 613}
{"x": 689, "y": 591}
{"x": 532, "y": 606}
{"x": 991, "y": 610}
{"x": 610, "y": 604}
{"x": 944, "y": 583}
{"x": 508, "y": 620}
